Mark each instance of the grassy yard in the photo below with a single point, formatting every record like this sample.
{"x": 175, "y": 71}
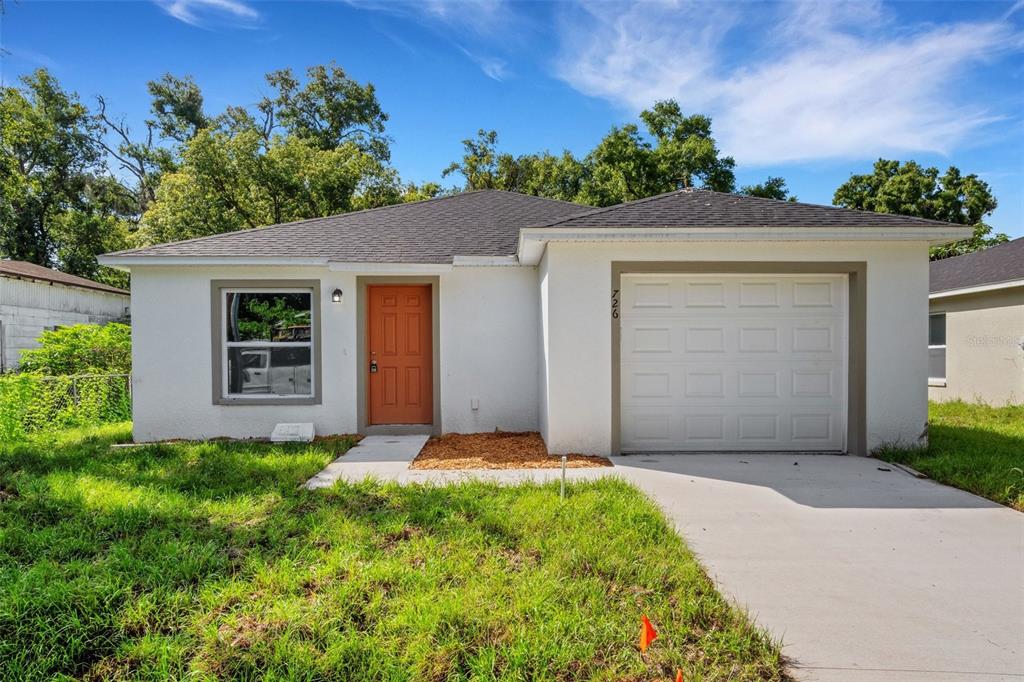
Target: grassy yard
{"x": 974, "y": 447}
{"x": 206, "y": 561}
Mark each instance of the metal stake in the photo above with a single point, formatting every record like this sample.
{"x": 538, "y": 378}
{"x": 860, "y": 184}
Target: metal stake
{"x": 564, "y": 460}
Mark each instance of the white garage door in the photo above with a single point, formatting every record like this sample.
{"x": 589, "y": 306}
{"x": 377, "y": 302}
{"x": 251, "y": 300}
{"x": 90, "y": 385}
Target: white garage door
{"x": 733, "y": 362}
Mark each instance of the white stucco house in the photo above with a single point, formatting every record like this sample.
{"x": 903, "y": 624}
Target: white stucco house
{"x": 34, "y": 299}
{"x": 976, "y": 326}
{"x": 688, "y": 321}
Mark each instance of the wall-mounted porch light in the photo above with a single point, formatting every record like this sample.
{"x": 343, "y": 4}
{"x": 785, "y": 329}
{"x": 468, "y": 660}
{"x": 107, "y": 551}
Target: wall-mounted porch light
{"x": 336, "y": 296}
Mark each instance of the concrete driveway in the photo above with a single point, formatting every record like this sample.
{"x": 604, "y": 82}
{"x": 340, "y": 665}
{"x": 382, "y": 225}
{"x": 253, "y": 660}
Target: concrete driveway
{"x": 865, "y": 574}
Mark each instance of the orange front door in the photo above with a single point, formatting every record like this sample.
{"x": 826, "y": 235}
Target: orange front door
{"x": 400, "y": 356}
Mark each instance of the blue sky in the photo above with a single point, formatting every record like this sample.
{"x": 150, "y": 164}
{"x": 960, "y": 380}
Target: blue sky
{"x": 810, "y": 91}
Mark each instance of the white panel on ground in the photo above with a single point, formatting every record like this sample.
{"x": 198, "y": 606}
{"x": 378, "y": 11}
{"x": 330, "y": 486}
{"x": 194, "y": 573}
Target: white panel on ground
{"x": 292, "y": 433}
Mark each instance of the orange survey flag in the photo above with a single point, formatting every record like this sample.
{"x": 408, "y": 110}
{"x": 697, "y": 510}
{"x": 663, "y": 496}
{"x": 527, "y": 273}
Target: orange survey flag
{"x": 679, "y": 675}
{"x": 647, "y": 633}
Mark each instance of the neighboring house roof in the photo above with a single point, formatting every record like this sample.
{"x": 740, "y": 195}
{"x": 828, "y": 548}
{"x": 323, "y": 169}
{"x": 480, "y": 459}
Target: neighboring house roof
{"x": 488, "y": 222}
{"x": 706, "y": 208}
{"x": 480, "y": 223}
{"x": 25, "y": 270}
{"x": 994, "y": 265}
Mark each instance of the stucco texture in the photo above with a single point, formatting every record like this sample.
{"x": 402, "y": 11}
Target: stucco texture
{"x": 577, "y": 345}
{"x": 984, "y": 353}
{"x": 488, "y": 338}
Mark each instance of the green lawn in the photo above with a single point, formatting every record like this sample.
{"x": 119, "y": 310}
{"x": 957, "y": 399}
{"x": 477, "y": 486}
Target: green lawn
{"x": 974, "y": 447}
{"x": 206, "y": 561}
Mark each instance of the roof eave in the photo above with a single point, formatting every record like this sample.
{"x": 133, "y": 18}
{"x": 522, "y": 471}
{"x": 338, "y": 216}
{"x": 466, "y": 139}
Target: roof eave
{"x": 533, "y": 240}
{"x": 977, "y": 289}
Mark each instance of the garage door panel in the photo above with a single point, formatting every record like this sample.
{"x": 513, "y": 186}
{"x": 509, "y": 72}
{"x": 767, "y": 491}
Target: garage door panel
{"x": 733, "y": 362}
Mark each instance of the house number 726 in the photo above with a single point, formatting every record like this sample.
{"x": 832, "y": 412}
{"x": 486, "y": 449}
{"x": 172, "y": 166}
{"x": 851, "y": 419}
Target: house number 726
{"x": 615, "y": 304}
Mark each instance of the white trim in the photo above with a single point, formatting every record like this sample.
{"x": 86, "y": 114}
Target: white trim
{"x": 978, "y": 289}
{"x": 486, "y": 261}
{"x": 389, "y": 268}
{"x": 936, "y": 383}
{"x": 532, "y": 240}
{"x": 257, "y": 344}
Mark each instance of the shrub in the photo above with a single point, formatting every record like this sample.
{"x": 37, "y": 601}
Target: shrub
{"x": 81, "y": 349}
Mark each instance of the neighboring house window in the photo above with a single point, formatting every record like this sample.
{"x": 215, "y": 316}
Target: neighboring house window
{"x": 267, "y": 341}
{"x": 937, "y": 347}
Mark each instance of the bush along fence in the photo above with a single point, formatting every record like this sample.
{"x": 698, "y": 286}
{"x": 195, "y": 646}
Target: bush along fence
{"x": 31, "y": 402}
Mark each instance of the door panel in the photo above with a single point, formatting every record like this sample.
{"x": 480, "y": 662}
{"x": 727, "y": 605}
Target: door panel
{"x": 400, "y": 341}
{"x": 733, "y": 362}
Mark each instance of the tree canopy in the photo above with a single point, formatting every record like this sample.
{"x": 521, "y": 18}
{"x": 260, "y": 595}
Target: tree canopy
{"x": 76, "y": 182}
{"x": 676, "y": 151}
{"x": 910, "y": 189}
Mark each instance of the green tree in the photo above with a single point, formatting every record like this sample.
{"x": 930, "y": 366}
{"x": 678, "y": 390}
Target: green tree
{"x": 484, "y": 167}
{"x": 772, "y": 188}
{"x": 233, "y": 181}
{"x": 677, "y": 151}
{"x": 910, "y": 189}
{"x": 330, "y": 110}
{"x": 47, "y": 150}
{"x": 309, "y": 150}
{"x": 686, "y": 152}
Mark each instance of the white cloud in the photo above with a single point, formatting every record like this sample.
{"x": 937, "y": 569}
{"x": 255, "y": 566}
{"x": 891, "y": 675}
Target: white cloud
{"x": 820, "y": 81}
{"x": 492, "y": 67}
{"x": 199, "y": 12}
{"x": 481, "y": 17}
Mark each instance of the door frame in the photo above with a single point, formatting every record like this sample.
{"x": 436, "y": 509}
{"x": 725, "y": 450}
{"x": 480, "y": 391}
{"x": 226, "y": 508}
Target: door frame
{"x": 856, "y": 353}
{"x": 362, "y": 354}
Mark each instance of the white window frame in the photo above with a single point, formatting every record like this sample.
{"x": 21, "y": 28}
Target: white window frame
{"x": 937, "y": 381}
{"x": 225, "y": 344}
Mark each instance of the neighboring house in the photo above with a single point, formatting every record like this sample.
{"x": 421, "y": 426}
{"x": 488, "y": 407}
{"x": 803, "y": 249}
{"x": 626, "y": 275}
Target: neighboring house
{"x": 34, "y": 299}
{"x": 692, "y": 320}
{"x": 976, "y": 326}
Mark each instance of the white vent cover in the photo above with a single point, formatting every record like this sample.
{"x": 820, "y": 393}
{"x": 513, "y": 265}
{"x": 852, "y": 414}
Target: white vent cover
{"x": 292, "y": 433}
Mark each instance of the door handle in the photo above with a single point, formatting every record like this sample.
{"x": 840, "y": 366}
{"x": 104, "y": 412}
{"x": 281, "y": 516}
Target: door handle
{"x": 373, "y": 366}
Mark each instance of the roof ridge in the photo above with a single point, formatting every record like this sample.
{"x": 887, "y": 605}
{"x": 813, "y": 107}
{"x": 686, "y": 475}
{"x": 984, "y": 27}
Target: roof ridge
{"x": 604, "y": 209}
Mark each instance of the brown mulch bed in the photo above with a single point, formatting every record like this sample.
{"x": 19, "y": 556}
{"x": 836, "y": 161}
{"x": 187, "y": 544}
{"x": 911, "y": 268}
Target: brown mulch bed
{"x": 498, "y": 450}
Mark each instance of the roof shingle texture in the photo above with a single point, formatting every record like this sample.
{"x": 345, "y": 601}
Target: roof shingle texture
{"x": 482, "y": 223}
{"x": 20, "y": 268}
{"x": 705, "y": 208}
{"x": 487, "y": 223}
{"x": 996, "y": 264}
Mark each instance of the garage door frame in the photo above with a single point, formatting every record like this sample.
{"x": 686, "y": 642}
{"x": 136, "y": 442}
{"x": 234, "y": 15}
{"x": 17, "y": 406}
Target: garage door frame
{"x": 856, "y": 422}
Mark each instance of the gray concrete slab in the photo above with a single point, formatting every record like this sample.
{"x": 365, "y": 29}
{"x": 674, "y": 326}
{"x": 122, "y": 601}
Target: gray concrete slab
{"x": 378, "y": 456}
{"x": 863, "y": 574}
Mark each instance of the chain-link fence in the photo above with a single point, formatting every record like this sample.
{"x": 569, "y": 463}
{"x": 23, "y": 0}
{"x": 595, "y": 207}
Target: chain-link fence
{"x": 31, "y": 403}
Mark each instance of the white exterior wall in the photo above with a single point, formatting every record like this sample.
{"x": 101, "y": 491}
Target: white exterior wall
{"x": 984, "y": 347}
{"x": 489, "y": 352}
{"x": 488, "y": 332}
{"x": 29, "y": 307}
{"x": 577, "y": 346}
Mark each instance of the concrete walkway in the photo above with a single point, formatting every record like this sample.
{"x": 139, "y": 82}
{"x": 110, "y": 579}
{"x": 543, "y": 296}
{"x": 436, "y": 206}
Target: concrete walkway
{"x": 864, "y": 574}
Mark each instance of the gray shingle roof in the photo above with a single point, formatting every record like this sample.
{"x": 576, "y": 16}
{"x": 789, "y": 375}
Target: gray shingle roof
{"x": 487, "y": 223}
{"x": 705, "y": 208}
{"x": 481, "y": 223}
{"x": 996, "y": 264}
{"x": 25, "y": 270}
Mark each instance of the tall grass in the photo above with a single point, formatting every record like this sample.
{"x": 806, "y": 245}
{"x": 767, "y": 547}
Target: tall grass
{"x": 208, "y": 561}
